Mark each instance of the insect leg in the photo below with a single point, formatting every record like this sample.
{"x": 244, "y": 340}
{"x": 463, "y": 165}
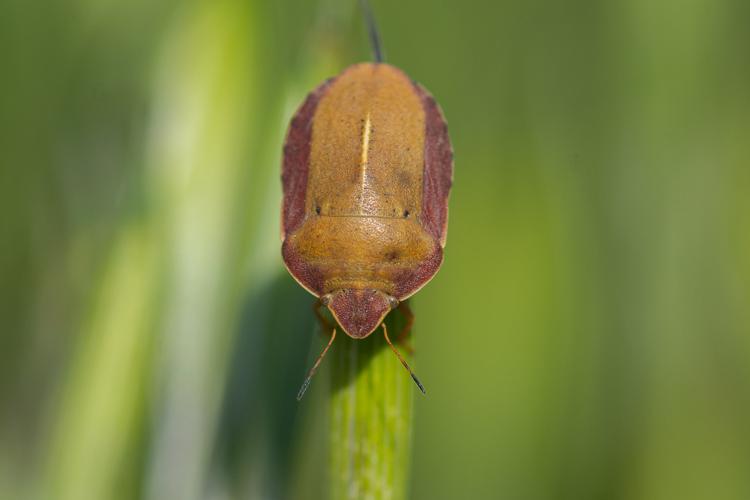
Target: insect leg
{"x": 325, "y": 325}
{"x": 403, "y": 336}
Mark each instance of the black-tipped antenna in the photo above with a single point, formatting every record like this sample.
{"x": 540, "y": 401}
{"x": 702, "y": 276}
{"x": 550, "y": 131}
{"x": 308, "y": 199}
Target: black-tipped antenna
{"x": 372, "y": 28}
{"x": 403, "y": 362}
{"x": 306, "y": 383}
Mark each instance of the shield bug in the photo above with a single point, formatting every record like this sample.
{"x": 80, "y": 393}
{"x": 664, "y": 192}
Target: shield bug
{"x": 366, "y": 174}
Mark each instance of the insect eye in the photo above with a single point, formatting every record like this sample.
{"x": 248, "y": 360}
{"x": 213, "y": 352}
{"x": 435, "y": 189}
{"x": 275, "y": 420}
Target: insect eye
{"x": 406, "y": 214}
{"x": 317, "y": 210}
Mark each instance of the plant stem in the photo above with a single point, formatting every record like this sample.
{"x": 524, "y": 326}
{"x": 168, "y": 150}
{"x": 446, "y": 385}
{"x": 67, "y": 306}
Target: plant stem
{"x": 371, "y": 417}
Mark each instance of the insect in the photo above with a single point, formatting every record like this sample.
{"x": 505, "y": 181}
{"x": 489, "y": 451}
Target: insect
{"x": 366, "y": 173}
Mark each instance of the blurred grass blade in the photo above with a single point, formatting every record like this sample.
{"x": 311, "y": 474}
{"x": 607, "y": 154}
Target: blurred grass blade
{"x": 104, "y": 403}
{"x": 199, "y": 142}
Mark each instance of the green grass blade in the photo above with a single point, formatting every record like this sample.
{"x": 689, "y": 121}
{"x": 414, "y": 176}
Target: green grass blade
{"x": 371, "y": 407}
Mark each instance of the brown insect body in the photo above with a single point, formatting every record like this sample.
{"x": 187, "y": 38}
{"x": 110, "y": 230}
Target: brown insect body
{"x": 366, "y": 174}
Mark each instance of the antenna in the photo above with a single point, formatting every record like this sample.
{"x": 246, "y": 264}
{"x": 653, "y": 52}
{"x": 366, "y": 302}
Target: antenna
{"x": 413, "y": 376}
{"x": 372, "y": 28}
{"x": 306, "y": 383}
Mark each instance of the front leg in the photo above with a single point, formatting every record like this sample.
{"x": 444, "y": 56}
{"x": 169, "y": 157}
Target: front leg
{"x": 403, "y": 335}
{"x": 325, "y": 325}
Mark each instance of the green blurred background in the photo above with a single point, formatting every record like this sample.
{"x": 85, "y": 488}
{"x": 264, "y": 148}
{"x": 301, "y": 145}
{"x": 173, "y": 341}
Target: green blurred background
{"x": 587, "y": 337}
